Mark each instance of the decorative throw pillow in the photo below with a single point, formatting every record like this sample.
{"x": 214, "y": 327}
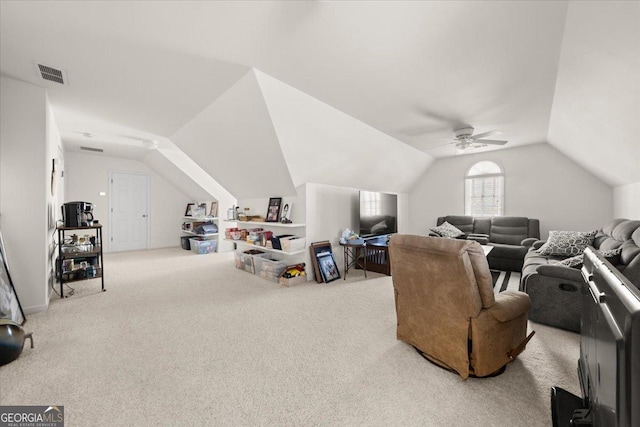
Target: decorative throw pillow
{"x": 612, "y": 255}
{"x": 567, "y": 243}
{"x": 574, "y": 261}
{"x": 447, "y": 230}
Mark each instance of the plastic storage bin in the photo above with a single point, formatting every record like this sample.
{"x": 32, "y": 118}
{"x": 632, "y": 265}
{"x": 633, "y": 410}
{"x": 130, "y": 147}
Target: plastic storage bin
{"x": 203, "y": 246}
{"x": 245, "y": 260}
{"x": 268, "y": 268}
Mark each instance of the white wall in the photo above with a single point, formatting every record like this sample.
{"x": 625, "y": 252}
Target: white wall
{"x": 540, "y": 182}
{"x": 626, "y": 201}
{"x": 86, "y": 175}
{"x": 596, "y": 105}
{"x": 55, "y": 195}
{"x": 24, "y": 188}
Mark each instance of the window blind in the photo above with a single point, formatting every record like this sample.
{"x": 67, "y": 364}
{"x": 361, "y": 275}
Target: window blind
{"x": 484, "y": 196}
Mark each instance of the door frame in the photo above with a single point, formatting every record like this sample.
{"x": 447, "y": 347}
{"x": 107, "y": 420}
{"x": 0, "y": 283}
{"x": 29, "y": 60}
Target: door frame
{"x": 110, "y": 208}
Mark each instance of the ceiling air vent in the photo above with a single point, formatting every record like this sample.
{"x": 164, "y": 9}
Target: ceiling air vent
{"x": 52, "y": 74}
{"x": 97, "y": 150}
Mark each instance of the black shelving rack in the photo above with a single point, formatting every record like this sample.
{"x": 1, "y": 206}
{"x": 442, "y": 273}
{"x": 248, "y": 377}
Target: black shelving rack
{"x": 93, "y": 257}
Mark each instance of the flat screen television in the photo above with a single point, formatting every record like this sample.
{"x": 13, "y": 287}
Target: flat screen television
{"x": 609, "y": 364}
{"x": 378, "y": 213}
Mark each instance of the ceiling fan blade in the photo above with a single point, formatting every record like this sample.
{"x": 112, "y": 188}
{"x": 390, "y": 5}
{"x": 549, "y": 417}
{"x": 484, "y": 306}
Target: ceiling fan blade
{"x": 440, "y": 145}
{"x": 491, "y": 141}
{"x": 486, "y": 134}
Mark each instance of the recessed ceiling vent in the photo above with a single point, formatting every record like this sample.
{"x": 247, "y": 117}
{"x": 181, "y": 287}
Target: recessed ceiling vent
{"x": 97, "y": 150}
{"x": 52, "y": 74}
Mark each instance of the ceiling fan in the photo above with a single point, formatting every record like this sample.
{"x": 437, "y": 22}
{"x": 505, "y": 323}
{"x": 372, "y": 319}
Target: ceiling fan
{"x": 466, "y": 139}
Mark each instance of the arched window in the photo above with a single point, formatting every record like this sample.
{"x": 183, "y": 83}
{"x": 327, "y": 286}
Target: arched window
{"x": 484, "y": 190}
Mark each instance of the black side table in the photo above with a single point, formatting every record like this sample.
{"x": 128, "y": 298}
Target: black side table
{"x": 352, "y": 253}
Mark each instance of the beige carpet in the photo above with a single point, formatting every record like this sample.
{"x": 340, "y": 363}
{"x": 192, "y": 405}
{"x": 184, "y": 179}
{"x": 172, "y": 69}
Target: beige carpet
{"x": 182, "y": 339}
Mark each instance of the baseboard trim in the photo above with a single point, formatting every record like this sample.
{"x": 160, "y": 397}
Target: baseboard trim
{"x": 35, "y": 309}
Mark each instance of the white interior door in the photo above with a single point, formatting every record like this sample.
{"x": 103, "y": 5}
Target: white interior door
{"x": 129, "y": 217}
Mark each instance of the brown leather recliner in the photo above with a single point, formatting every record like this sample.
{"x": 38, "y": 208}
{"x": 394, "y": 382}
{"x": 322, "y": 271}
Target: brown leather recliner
{"x": 446, "y": 307}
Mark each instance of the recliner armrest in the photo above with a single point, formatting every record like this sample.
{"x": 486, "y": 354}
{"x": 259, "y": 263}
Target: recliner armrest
{"x": 538, "y": 244}
{"x": 509, "y": 305}
{"x": 529, "y": 241}
{"x": 561, "y": 272}
{"x": 483, "y": 239}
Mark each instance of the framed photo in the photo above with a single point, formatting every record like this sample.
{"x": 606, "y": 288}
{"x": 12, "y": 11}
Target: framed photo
{"x": 316, "y": 249}
{"x": 213, "y": 209}
{"x": 189, "y": 210}
{"x": 10, "y": 307}
{"x": 199, "y": 210}
{"x": 67, "y": 265}
{"x": 285, "y": 218}
{"x": 328, "y": 267}
{"x": 273, "y": 210}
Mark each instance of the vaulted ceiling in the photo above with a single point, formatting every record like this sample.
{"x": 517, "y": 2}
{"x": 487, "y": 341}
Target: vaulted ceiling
{"x": 557, "y": 72}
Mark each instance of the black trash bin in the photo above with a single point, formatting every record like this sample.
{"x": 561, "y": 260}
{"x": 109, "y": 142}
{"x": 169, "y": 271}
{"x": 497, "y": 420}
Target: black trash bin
{"x": 184, "y": 241}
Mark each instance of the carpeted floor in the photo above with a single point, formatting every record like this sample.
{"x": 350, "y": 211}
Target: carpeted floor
{"x": 182, "y": 339}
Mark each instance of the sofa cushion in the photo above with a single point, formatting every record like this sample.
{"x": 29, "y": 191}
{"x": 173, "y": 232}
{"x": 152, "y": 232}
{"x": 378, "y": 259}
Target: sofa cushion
{"x": 463, "y": 222}
{"x": 447, "y": 230}
{"x": 567, "y": 243}
{"x": 482, "y": 226}
{"x": 607, "y": 229}
{"x": 510, "y": 230}
{"x": 623, "y": 231}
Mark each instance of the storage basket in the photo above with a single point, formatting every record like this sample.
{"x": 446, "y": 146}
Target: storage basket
{"x": 203, "y": 246}
{"x": 293, "y": 243}
{"x": 245, "y": 261}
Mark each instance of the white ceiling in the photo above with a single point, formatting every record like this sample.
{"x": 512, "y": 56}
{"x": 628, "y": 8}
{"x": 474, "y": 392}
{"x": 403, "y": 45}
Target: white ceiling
{"x": 413, "y": 70}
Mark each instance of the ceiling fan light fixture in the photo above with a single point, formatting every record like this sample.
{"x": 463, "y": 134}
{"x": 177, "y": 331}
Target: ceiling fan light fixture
{"x": 464, "y": 133}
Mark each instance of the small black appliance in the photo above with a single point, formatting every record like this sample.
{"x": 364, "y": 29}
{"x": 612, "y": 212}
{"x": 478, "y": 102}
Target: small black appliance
{"x": 77, "y": 214}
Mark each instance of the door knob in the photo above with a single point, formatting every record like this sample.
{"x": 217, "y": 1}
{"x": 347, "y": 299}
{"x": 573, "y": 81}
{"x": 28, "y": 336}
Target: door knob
{"x": 144, "y": 216}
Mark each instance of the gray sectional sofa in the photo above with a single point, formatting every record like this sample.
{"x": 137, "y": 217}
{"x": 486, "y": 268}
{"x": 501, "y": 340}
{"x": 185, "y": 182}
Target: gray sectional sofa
{"x": 510, "y": 236}
{"x": 555, "y": 289}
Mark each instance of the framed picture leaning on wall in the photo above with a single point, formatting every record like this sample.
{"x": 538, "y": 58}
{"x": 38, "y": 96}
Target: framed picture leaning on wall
{"x": 10, "y": 307}
{"x": 328, "y": 267}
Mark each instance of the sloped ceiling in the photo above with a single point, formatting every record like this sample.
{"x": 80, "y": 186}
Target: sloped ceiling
{"x": 596, "y": 109}
{"x": 113, "y": 76}
{"x": 173, "y": 174}
{"x": 233, "y": 140}
{"x": 412, "y": 70}
{"x": 324, "y": 145}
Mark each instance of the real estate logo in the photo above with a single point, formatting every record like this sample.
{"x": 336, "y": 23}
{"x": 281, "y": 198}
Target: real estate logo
{"x": 31, "y": 416}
